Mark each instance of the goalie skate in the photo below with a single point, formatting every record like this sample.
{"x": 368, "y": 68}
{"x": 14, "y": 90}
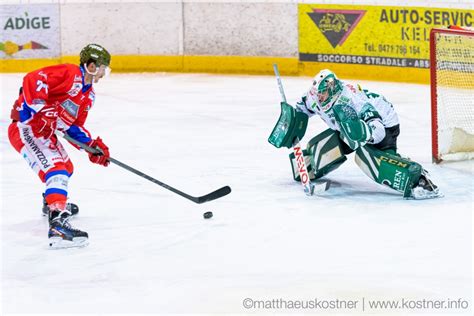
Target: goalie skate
{"x": 61, "y": 234}
{"x": 320, "y": 187}
{"x": 425, "y": 189}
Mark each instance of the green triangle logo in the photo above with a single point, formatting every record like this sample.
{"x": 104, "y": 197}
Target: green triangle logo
{"x": 336, "y": 25}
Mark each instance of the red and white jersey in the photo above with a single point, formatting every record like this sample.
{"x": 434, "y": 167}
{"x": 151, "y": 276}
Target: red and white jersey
{"x": 62, "y": 86}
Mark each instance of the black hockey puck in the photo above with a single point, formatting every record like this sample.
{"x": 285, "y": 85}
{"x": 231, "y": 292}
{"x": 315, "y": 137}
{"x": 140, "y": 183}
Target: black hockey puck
{"x": 207, "y": 215}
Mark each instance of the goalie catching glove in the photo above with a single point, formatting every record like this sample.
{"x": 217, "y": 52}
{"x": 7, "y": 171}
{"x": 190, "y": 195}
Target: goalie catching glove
{"x": 101, "y": 158}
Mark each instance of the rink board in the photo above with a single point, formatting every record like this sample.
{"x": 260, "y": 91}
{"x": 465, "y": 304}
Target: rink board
{"x": 172, "y": 37}
{"x": 231, "y": 65}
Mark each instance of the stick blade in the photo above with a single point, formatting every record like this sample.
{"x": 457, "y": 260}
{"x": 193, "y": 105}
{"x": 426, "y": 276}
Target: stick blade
{"x": 214, "y": 195}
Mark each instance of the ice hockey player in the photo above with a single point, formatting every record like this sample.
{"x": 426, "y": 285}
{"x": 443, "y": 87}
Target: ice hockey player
{"x": 58, "y": 98}
{"x": 359, "y": 121}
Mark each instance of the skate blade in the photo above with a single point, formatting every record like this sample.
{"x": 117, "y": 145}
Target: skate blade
{"x": 320, "y": 187}
{"x": 420, "y": 194}
{"x": 59, "y": 243}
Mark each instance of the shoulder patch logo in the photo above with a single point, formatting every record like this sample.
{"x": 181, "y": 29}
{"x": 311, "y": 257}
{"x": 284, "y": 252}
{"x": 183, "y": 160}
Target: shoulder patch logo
{"x": 336, "y": 25}
{"x": 75, "y": 89}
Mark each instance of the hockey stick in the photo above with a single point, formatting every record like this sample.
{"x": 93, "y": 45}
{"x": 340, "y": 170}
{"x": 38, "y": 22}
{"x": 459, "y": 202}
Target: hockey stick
{"x": 199, "y": 199}
{"x": 302, "y": 168}
{"x": 309, "y": 188}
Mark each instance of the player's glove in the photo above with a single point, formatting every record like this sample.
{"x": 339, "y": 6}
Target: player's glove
{"x": 378, "y": 131}
{"x": 43, "y": 123}
{"x": 100, "y": 158}
{"x": 14, "y": 114}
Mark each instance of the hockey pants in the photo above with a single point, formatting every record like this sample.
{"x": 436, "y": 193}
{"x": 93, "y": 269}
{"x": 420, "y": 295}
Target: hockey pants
{"x": 47, "y": 158}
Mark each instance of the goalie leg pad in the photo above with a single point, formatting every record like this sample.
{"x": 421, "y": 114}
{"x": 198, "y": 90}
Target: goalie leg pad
{"x": 294, "y": 166}
{"x": 324, "y": 153}
{"x": 391, "y": 170}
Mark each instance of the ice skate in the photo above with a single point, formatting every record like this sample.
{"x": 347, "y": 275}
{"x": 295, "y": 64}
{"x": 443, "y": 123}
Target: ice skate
{"x": 61, "y": 234}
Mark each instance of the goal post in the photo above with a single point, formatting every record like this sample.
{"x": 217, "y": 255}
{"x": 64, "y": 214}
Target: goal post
{"x": 452, "y": 94}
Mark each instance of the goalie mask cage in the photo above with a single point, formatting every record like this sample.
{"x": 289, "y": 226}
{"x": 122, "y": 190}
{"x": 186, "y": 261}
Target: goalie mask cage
{"x": 452, "y": 94}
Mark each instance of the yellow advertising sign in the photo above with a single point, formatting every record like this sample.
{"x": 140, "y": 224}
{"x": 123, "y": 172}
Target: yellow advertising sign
{"x": 372, "y": 35}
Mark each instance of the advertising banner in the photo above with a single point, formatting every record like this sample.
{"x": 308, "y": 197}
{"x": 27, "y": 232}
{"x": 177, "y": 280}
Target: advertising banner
{"x": 30, "y": 31}
{"x": 372, "y": 35}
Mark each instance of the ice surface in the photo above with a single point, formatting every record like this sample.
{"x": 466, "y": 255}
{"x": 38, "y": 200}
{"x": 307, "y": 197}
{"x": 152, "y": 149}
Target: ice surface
{"x": 152, "y": 251}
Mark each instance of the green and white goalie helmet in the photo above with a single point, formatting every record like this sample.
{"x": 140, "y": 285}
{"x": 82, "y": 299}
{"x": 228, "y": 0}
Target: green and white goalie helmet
{"x": 327, "y": 87}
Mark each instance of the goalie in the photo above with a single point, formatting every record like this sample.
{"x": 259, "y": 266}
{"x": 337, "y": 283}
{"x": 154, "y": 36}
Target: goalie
{"x": 359, "y": 121}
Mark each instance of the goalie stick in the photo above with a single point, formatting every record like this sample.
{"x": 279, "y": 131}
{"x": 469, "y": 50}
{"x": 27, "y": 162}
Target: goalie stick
{"x": 196, "y": 199}
{"x": 309, "y": 188}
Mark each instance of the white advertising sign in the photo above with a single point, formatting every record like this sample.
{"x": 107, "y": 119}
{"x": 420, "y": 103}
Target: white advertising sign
{"x": 30, "y": 31}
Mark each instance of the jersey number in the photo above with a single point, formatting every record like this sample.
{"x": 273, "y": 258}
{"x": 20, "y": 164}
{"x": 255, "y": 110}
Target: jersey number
{"x": 371, "y": 95}
{"x": 41, "y": 85}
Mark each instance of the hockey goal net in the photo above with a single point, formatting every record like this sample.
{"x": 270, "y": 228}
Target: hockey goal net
{"x": 452, "y": 94}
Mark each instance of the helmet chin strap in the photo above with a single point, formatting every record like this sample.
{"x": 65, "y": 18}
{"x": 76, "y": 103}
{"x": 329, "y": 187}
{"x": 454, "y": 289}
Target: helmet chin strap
{"x": 91, "y": 73}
